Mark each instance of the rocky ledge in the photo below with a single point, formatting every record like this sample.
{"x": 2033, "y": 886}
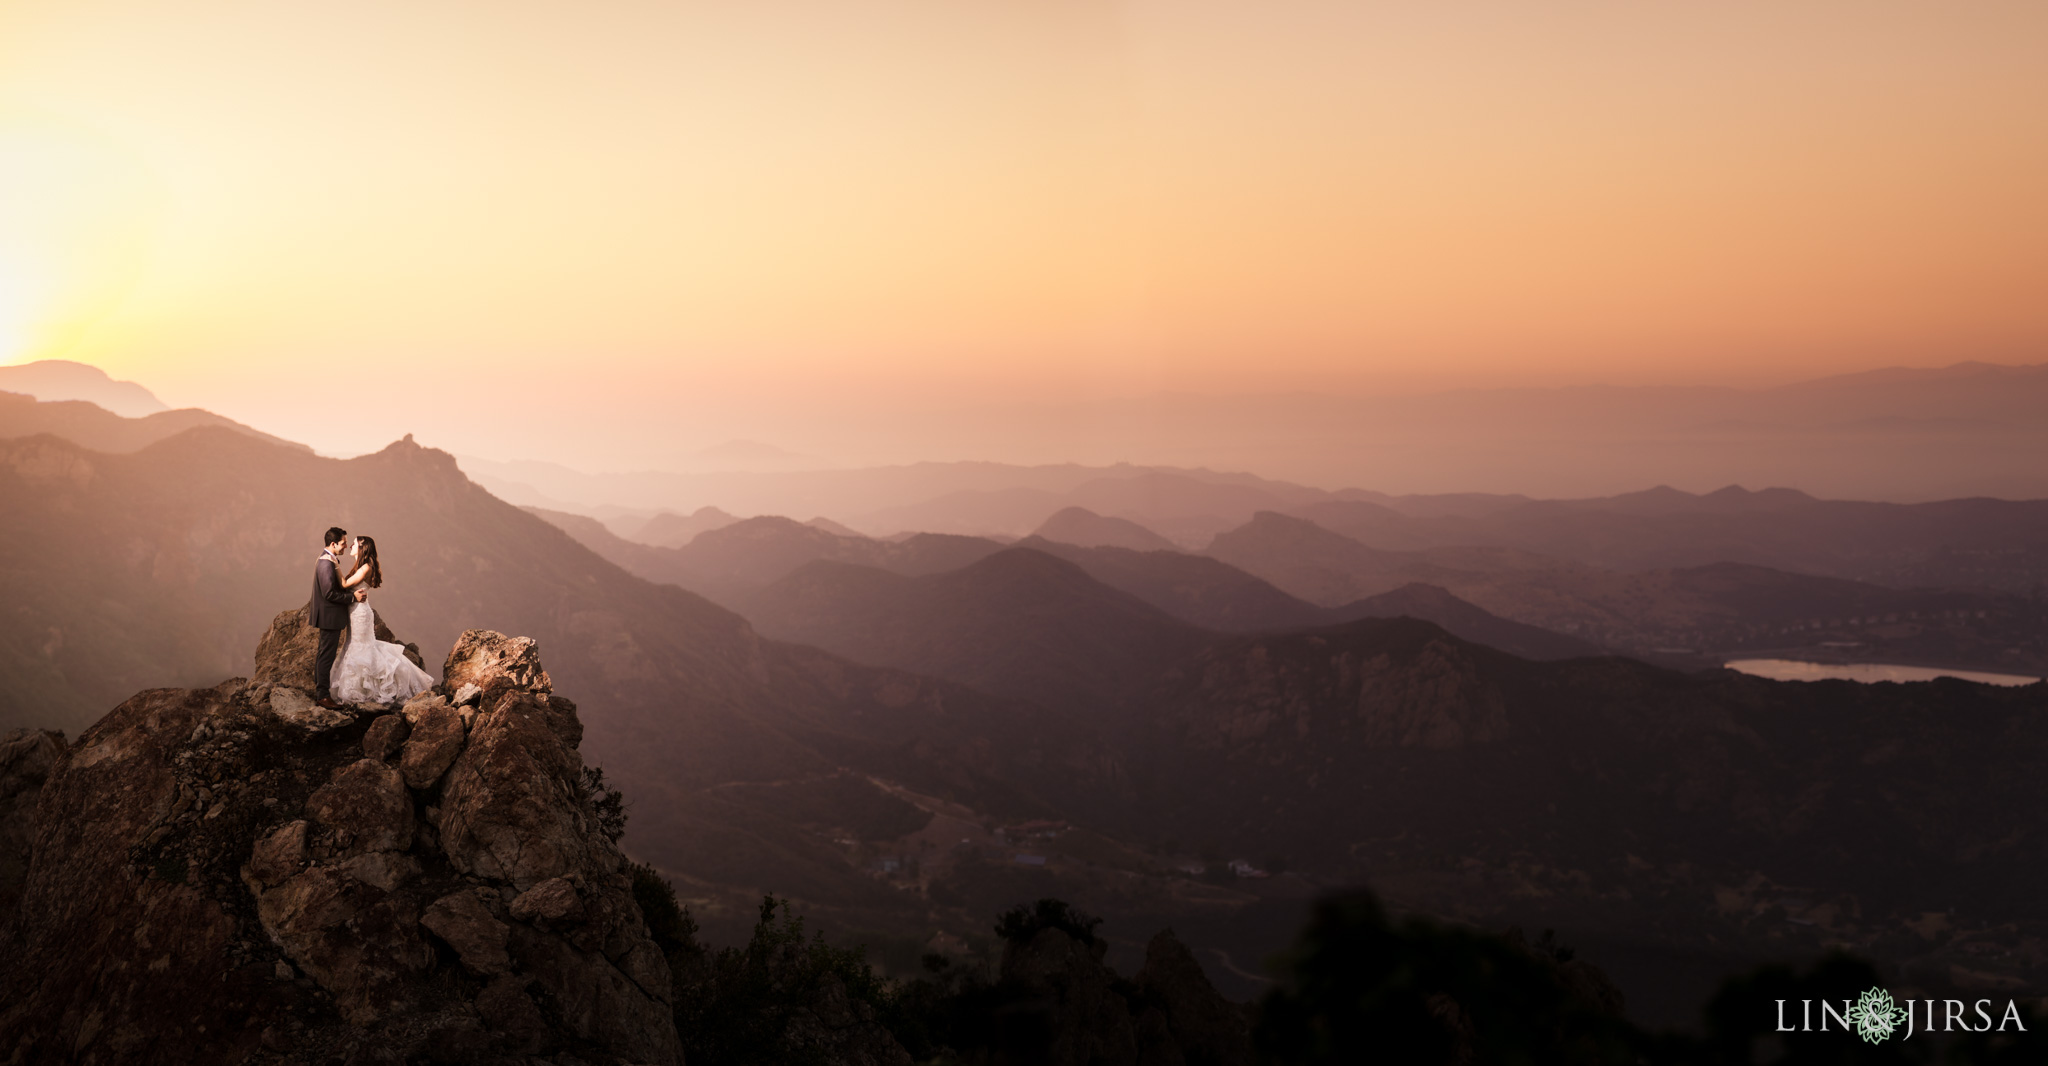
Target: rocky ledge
{"x": 235, "y": 875}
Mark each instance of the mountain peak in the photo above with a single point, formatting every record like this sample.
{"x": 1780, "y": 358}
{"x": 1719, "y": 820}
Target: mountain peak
{"x": 1083, "y": 527}
{"x": 234, "y": 870}
{"x": 51, "y": 380}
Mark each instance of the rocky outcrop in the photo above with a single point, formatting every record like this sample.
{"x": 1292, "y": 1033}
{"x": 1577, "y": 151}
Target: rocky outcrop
{"x": 284, "y": 655}
{"x": 27, "y": 757}
{"x": 1088, "y": 1016}
{"x": 220, "y": 875}
{"x": 1182, "y": 1006}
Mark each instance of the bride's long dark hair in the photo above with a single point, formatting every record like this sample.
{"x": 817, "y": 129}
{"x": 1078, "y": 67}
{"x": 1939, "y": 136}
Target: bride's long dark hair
{"x": 366, "y": 553}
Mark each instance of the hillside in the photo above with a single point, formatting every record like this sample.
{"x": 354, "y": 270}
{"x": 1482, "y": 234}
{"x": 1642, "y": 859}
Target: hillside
{"x": 164, "y": 566}
{"x": 1019, "y": 623}
{"x": 1605, "y": 798}
{"x": 101, "y": 430}
{"x": 727, "y": 564}
{"x": 61, "y": 379}
{"x": 1704, "y": 612}
{"x": 1084, "y": 528}
{"x": 1998, "y": 544}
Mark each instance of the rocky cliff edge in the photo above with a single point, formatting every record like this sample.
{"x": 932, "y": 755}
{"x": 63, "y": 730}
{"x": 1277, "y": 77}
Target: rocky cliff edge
{"x": 236, "y": 875}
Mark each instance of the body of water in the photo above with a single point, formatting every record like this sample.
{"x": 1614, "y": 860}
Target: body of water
{"x": 1794, "y": 670}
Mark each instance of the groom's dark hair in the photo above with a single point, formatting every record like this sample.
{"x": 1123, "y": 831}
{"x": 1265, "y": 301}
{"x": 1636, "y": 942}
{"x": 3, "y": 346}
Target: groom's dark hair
{"x": 334, "y": 536}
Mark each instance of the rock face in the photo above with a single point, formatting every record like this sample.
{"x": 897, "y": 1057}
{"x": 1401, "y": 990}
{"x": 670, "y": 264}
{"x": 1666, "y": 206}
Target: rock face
{"x": 1088, "y": 1016}
{"x": 284, "y": 655}
{"x": 27, "y": 757}
{"x": 209, "y": 879}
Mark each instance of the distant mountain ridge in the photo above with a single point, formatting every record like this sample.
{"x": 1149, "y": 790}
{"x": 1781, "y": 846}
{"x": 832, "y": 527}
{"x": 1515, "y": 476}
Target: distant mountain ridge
{"x": 1084, "y": 528}
{"x": 1721, "y": 608}
{"x": 739, "y": 564}
{"x": 1685, "y": 811}
{"x": 61, "y": 379}
{"x": 97, "y": 428}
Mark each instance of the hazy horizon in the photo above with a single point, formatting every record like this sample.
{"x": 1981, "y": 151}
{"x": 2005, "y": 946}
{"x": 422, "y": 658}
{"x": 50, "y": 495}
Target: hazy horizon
{"x": 889, "y": 230}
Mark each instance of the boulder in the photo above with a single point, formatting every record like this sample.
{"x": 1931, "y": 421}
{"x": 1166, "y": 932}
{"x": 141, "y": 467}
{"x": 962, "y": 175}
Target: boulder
{"x": 385, "y": 736}
{"x": 511, "y": 806}
{"x": 365, "y": 804}
{"x": 27, "y": 758}
{"x": 553, "y": 900}
{"x": 279, "y": 855}
{"x": 493, "y": 661}
{"x": 360, "y": 942}
{"x": 284, "y": 654}
{"x": 298, "y": 708}
{"x": 436, "y": 739}
{"x": 464, "y": 923}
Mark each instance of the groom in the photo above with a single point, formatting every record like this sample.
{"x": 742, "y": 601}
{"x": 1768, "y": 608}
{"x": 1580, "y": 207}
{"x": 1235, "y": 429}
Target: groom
{"x": 329, "y": 614}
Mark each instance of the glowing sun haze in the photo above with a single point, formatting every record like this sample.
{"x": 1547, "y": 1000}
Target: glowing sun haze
{"x": 603, "y": 232}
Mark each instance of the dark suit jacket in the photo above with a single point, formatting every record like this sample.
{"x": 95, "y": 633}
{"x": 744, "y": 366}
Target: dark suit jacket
{"x": 329, "y": 608}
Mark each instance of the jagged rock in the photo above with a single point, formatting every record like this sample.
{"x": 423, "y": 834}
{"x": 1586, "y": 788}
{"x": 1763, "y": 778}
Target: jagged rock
{"x": 590, "y": 995}
{"x": 299, "y": 709}
{"x": 465, "y": 924}
{"x": 279, "y": 856}
{"x": 467, "y": 694}
{"x": 1090, "y": 1023}
{"x": 284, "y": 655}
{"x": 419, "y": 705}
{"x": 492, "y": 661}
{"x": 27, "y": 758}
{"x": 358, "y": 941}
{"x": 210, "y": 882}
{"x": 509, "y": 807}
{"x": 436, "y": 740}
{"x": 385, "y": 735}
{"x": 553, "y": 900}
{"x": 1200, "y": 1024}
{"x": 506, "y": 1008}
{"x": 842, "y": 1030}
{"x": 366, "y": 801}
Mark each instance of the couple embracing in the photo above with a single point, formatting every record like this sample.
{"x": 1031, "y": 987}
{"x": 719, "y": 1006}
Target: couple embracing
{"x": 371, "y": 670}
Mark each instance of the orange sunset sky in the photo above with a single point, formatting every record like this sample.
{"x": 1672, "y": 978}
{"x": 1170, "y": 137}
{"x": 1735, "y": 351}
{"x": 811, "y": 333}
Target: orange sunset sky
{"x": 608, "y": 232}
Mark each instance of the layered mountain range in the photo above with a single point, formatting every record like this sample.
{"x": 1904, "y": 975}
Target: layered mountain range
{"x": 966, "y": 724}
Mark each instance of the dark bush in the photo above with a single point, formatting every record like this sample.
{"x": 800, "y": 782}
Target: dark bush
{"x": 1023, "y": 921}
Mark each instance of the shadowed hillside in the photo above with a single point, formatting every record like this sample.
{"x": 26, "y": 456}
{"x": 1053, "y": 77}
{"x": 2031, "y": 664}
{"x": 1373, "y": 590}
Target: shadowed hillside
{"x": 102, "y": 430}
{"x": 1084, "y": 528}
{"x": 1703, "y": 612}
{"x": 1710, "y": 813}
{"x": 1019, "y": 623}
{"x": 132, "y": 571}
{"x": 2001, "y": 544}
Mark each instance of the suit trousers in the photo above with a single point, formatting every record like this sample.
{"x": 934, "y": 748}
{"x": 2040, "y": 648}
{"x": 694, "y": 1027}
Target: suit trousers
{"x": 323, "y": 662}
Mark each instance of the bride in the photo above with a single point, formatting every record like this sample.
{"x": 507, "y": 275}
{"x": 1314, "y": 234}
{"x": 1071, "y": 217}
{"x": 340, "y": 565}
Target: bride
{"x": 371, "y": 670}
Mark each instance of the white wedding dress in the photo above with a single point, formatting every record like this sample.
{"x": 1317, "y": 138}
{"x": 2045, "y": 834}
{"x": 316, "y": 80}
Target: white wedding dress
{"x": 372, "y": 670}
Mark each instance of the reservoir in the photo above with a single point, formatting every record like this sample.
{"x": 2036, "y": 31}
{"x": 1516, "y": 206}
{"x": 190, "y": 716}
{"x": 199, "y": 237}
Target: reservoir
{"x": 1794, "y": 670}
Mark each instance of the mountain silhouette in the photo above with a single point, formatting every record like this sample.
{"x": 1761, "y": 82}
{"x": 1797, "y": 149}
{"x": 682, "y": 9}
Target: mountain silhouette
{"x": 1084, "y": 528}
{"x": 62, "y": 379}
{"x": 97, "y": 428}
{"x": 1019, "y": 623}
{"x": 671, "y": 530}
{"x": 1703, "y": 812}
{"x": 1468, "y": 622}
{"x": 1722, "y": 608}
{"x": 727, "y": 563}
{"x": 167, "y": 564}
{"x": 2000, "y": 544}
